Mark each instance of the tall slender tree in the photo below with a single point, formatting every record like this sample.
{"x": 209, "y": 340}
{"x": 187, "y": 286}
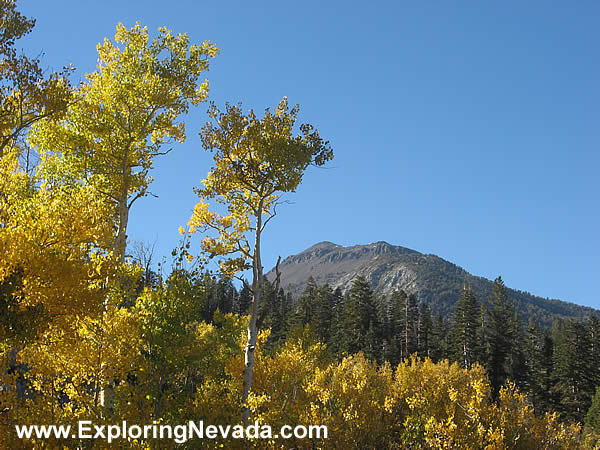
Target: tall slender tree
{"x": 440, "y": 342}
{"x": 594, "y": 338}
{"x": 592, "y": 418}
{"x": 424, "y": 330}
{"x": 126, "y": 112}
{"x": 537, "y": 352}
{"x": 517, "y": 370}
{"x": 306, "y": 304}
{"x": 337, "y": 319}
{"x": 123, "y": 115}
{"x": 397, "y": 326}
{"x": 410, "y": 325}
{"x": 361, "y": 321}
{"x": 324, "y": 310}
{"x": 499, "y": 337}
{"x": 466, "y": 322}
{"x": 573, "y": 377}
{"x": 255, "y": 162}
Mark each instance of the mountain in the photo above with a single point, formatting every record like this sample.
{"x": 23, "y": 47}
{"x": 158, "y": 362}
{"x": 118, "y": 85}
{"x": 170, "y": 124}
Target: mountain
{"x": 434, "y": 280}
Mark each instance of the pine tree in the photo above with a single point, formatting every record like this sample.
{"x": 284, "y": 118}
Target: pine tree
{"x": 385, "y": 320}
{"x": 547, "y": 368}
{"x": 410, "y": 325}
{"x": 516, "y": 359}
{"x": 424, "y": 330}
{"x": 244, "y": 299}
{"x": 338, "y": 332}
{"x": 537, "y": 352}
{"x": 225, "y": 293}
{"x": 361, "y": 324}
{"x": 482, "y": 335}
{"x": 266, "y": 309}
{"x": 279, "y": 311}
{"x": 210, "y": 301}
{"x": 439, "y": 340}
{"x": 499, "y": 336}
{"x": 323, "y": 316}
{"x": 594, "y": 357}
{"x": 372, "y": 347}
{"x": 466, "y": 322}
{"x": 397, "y": 307}
{"x": 592, "y": 418}
{"x": 573, "y": 376}
{"x": 306, "y": 305}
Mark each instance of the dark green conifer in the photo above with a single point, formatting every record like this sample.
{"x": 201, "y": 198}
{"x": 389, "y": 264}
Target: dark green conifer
{"x": 360, "y": 315}
{"x": 499, "y": 336}
{"x": 592, "y": 418}
{"x": 466, "y": 323}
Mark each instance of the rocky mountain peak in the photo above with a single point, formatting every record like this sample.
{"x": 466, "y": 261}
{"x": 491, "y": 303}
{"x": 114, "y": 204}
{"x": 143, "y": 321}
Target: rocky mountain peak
{"x": 389, "y": 267}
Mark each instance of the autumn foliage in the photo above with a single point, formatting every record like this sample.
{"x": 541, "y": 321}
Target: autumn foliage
{"x": 79, "y": 318}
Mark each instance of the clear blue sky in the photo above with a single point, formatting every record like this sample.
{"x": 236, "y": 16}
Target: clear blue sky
{"x": 465, "y": 129}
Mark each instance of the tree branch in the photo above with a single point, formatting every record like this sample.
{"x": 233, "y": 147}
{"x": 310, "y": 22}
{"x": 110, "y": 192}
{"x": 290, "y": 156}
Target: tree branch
{"x": 277, "y": 275}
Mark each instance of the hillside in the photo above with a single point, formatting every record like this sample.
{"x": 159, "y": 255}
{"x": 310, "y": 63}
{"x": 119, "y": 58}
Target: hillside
{"x": 387, "y": 268}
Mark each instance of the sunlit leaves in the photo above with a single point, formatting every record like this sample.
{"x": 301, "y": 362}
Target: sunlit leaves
{"x": 126, "y": 111}
{"x": 57, "y": 233}
{"x": 27, "y": 94}
{"x": 256, "y": 160}
{"x": 62, "y": 227}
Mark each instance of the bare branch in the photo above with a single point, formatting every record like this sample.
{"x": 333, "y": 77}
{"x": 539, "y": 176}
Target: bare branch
{"x": 108, "y": 194}
{"x": 139, "y": 195}
{"x": 271, "y": 215}
{"x": 247, "y": 286}
{"x": 277, "y": 275}
{"x": 162, "y": 153}
{"x": 240, "y": 278}
{"x": 243, "y": 251}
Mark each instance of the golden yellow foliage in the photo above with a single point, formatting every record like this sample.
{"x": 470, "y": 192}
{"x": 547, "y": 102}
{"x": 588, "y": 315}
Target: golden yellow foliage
{"x": 420, "y": 404}
{"x": 124, "y": 113}
{"x": 255, "y": 161}
{"x": 56, "y": 237}
{"x": 65, "y": 334}
{"x": 27, "y": 93}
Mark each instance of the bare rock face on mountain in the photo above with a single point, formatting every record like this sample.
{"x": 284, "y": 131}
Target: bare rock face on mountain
{"x": 388, "y": 268}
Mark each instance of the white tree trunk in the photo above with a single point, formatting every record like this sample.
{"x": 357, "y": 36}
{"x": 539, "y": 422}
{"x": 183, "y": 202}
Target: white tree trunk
{"x": 121, "y": 240}
{"x": 257, "y": 281}
{"x": 107, "y": 395}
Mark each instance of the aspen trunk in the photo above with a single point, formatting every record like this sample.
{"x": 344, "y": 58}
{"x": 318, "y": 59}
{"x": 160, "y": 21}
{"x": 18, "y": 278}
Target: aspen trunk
{"x": 107, "y": 396}
{"x": 257, "y": 279}
{"x": 121, "y": 241}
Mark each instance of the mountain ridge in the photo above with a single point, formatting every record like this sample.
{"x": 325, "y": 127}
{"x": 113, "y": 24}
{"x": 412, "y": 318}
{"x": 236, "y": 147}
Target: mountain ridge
{"x": 388, "y": 267}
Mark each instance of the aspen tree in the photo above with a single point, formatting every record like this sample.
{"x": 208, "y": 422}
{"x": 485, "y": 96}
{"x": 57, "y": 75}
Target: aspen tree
{"x": 255, "y": 162}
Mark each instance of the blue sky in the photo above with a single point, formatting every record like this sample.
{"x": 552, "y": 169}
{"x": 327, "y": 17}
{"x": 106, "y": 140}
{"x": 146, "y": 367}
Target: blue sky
{"x": 469, "y": 130}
